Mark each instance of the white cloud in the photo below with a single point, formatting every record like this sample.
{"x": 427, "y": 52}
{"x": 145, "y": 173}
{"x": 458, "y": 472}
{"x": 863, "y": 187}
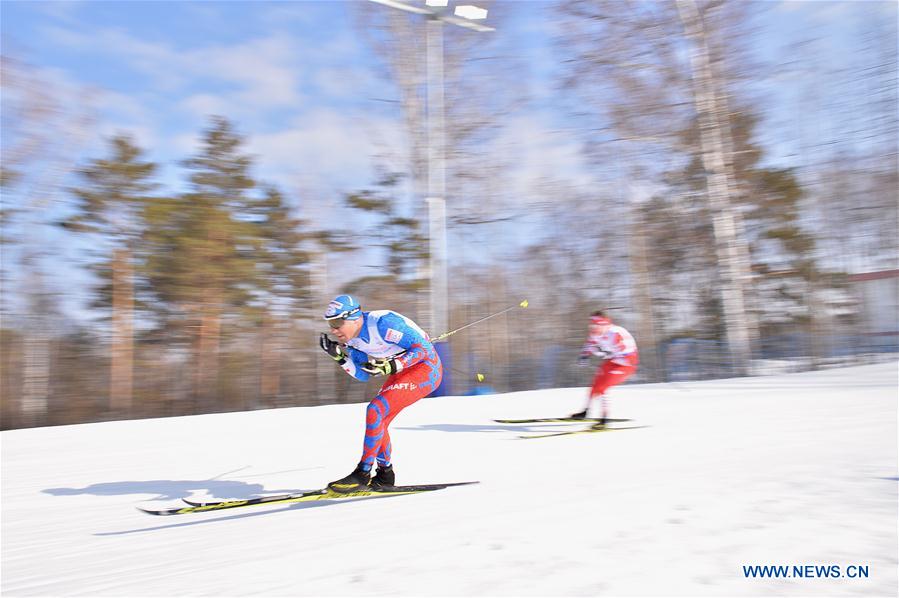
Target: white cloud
{"x": 346, "y": 82}
{"x": 61, "y": 11}
{"x": 158, "y": 61}
{"x": 122, "y": 106}
{"x": 204, "y": 104}
{"x": 541, "y": 152}
{"x": 252, "y": 83}
{"x": 185, "y": 143}
{"x": 294, "y": 13}
{"x": 264, "y": 71}
{"x": 331, "y": 144}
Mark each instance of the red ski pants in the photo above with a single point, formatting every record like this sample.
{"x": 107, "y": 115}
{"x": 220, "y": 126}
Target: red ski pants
{"x": 608, "y": 375}
{"x": 398, "y": 392}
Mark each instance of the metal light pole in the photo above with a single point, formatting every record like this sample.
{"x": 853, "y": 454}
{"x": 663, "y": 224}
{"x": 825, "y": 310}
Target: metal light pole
{"x": 436, "y": 176}
{"x": 435, "y": 12}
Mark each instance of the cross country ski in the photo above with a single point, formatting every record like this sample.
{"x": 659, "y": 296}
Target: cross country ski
{"x": 560, "y": 420}
{"x": 590, "y": 430}
{"x": 313, "y": 495}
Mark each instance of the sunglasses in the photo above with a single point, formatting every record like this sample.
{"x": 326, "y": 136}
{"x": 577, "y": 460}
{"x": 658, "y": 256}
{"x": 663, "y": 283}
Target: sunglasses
{"x": 337, "y": 320}
{"x": 336, "y": 323}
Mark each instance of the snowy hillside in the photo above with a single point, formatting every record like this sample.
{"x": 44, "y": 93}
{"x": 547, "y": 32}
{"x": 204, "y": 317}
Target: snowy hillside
{"x": 791, "y": 470}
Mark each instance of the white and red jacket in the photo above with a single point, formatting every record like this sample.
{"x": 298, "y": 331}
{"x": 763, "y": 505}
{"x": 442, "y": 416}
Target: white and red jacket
{"x": 616, "y": 344}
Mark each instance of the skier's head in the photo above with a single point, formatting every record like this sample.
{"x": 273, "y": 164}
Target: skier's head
{"x": 599, "y": 322}
{"x": 344, "y": 316}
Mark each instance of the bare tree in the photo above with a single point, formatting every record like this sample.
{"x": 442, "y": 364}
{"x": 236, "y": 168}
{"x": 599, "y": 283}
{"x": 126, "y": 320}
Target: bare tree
{"x": 44, "y": 128}
{"x": 638, "y": 96}
{"x": 113, "y": 195}
{"x": 713, "y": 121}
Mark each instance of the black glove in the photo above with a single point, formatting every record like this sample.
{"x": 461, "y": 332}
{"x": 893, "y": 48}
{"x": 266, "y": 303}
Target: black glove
{"x": 583, "y": 360}
{"x": 332, "y": 348}
{"x": 381, "y": 366}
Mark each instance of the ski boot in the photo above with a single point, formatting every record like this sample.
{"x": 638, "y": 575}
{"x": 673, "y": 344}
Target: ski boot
{"x": 600, "y": 424}
{"x": 358, "y": 480}
{"x": 384, "y": 478}
{"x": 579, "y": 415}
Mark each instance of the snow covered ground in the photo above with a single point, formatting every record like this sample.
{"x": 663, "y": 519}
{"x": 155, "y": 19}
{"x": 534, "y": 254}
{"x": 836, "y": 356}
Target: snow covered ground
{"x": 793, "y": 470}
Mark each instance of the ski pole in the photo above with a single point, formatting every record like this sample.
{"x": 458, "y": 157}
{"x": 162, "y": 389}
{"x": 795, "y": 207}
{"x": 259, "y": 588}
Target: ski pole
{"x": 451, "y": 332}
{"x": 479, "y": 376}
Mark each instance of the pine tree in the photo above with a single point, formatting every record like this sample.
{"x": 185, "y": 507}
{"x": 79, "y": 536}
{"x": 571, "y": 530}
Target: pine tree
{"x": 111, "y": 203}
{"x": 285, "y": 258}
{"x": 786, "y": 275}
{"x": 405, "y": 246}
{"x": 205, "y": 245}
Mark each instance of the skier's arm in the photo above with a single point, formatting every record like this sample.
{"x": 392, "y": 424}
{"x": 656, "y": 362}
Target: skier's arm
{"x": 347, "y": 358}
{"x": 586, "y": 352}
{"x": 593, "y": 348}
{"x": 616, "y": 347}
{"x": 352, "y": 366}
{"x": 416, "y": 347}
{"x": 590, "y": 348}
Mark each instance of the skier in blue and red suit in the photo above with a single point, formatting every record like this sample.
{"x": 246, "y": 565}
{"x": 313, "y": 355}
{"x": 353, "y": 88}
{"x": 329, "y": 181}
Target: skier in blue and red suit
{"x": 380, "y": 343}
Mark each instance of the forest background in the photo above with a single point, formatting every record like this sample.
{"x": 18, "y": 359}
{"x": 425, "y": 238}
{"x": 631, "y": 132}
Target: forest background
{"x": 179, "y": 207}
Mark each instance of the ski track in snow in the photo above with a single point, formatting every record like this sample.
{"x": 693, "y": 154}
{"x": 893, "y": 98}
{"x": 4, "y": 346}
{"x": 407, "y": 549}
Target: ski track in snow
{"x": 797, "y": 469}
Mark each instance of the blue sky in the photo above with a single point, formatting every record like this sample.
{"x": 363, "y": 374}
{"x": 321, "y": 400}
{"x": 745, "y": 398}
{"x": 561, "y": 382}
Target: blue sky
{"x": 297, "y": 80}
{"x": 294, "y": 77}
{"x": 300, "y": 84}
{"x": 290, "y": 70}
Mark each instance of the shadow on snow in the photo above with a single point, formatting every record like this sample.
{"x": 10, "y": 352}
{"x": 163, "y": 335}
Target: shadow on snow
{"x": 204, "y": 521}
{"x": 214, "y": 488}
{"x": 536, "y": 427}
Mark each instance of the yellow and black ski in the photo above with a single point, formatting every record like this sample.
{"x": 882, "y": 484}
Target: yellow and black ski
{"x": 559, "y": 420}
{"x": 590, "y": 430}
{"x": 324, "y": 494}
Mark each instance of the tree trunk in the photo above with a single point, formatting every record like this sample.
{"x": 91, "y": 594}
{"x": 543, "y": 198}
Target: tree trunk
{"x": 36, "y": 378}
{"x": 646, "y": 330}
{"x": 727, "y": 243}
{"x": 36, "y": 362}
{"x": 270, "y": 362}
{"x": 206, "y": 350}
{"x": 745, "y": 257}
{"x": 121, "y": 374}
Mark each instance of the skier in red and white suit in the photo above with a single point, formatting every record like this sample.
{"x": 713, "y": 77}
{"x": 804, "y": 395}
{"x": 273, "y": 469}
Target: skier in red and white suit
{"x": 618, "y": 349}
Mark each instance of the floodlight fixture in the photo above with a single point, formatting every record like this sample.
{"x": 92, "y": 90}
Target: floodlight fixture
{"x": 469, "y": 11}
{"x": 437, "y": 15}
{"x": 404, "y": 6}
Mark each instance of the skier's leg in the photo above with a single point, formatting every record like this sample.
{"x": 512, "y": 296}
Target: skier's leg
{"x": 375, "y": 430}
{"x": 400, "y": 391}
{"x": 611, "y": 374}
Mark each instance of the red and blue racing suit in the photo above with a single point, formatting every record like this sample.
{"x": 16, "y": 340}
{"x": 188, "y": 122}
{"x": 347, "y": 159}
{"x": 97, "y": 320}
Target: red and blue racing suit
{"x": 386, "y": 333}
